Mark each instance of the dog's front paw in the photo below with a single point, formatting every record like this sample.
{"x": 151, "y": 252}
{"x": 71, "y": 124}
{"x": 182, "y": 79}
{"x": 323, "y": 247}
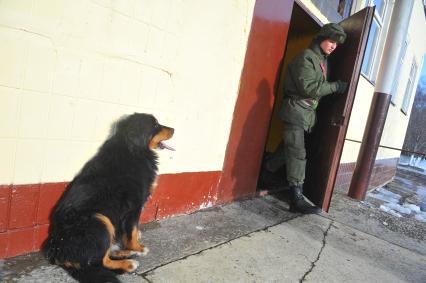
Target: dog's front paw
{"x": 144, "y": 252}
{"x": 132, "y": 265}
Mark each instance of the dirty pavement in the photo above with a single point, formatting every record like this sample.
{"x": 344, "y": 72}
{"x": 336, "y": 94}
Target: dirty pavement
{"x": 258, "y": 240}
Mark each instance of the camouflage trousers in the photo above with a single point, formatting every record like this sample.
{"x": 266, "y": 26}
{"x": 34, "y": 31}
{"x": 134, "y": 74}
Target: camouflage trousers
{"x": 292, "y": 153}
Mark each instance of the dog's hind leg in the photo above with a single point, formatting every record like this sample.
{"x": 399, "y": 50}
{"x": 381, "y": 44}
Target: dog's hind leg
{"x": 127, "y": 264}
{"x": 131, "y": 241}
{"x": 120, "y": 254}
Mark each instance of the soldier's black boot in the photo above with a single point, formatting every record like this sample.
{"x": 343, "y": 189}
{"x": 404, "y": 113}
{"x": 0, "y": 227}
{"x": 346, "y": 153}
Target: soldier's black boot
{"x": 299, "y": 204}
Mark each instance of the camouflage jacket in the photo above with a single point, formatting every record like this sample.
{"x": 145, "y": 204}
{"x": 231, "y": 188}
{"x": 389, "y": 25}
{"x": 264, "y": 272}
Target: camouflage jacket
{"x": 304, "y": 84}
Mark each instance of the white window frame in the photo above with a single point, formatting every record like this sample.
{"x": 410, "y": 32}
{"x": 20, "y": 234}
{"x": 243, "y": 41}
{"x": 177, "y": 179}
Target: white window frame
{"x": 370, "y": 70}
{"x": 401, "y": 61}
{"x": 409, "y": 89}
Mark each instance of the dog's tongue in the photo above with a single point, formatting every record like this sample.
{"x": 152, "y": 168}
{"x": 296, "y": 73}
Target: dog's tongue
{"x": 163, "y": 145}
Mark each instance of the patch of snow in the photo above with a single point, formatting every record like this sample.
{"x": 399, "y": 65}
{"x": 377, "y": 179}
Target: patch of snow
{"x": 385, "y": 195}
{"x": 390, "y": 211}
{"x": 409, "y": 159}
{"x": 420, "y": 217}
{"x": 421, "y": 192}
{"x": 403, "y": 181}
{"x": 414, "y": 208}
{"x": 399, "y": 208}
{"x": 392, "y": 204}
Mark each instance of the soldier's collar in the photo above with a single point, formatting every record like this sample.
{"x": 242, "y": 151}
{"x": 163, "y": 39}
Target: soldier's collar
{"x": 318, "y": 51}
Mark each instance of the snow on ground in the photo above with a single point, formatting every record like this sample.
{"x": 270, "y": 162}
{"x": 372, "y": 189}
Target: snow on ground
{"x": 402, "y": 180}
{"x": 392, "y": 204}
{"x": 385, "y": 195}
{"x": 420, "y": 217}
{"x": 420, "y": 166}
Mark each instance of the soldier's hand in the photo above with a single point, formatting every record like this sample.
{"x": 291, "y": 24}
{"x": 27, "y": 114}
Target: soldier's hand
{"x": 341, "y": 87}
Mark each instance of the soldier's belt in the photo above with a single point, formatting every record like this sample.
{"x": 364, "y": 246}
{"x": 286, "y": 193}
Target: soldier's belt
{"x": 310, "y": 102}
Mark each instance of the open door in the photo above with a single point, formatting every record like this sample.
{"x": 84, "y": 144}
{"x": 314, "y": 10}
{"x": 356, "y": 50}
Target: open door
{"x": 325, "y": 145}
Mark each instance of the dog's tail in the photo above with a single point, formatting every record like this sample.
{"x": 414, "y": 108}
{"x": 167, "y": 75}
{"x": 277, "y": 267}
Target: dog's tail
{"x": 93, "y": 274}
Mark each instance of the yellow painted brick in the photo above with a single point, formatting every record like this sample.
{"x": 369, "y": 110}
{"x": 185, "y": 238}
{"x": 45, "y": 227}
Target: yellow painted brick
{"x": 33, "y": 114}
{"x": 98, "y": 26}
{"x": 84, "y": 120}
{"x": 41, "y": 64}
{"x": 143, "y": 10}
{"x": 79, "y": 153}
{"x": 131, "y": 74}
{"x": 148, "y": 90}
{"x": 139, "y": 33}
{"x": 7, "y": 160}
{"x": 160, "y": 11}
{"x": 124, "y": 7}
{"x": 29, "y": 161}
{"x": 47, "y": 16}
{"x": 112, "y": 80}
{"x": 13, "y": 54}
{"x": 9, "y": 111}
{"x": 90, "y": 77}
{"x": 55, "y": 161}
{"x": 120, "y": 38}
{"x": 61, "y": 116}
{"x": 67, "y": 71}
{"x": 16, "y": 13}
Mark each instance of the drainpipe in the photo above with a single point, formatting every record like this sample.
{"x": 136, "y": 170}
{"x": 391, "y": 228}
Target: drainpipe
{"x": 381, "y": 99}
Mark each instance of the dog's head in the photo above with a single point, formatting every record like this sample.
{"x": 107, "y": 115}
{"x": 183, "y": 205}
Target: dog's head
{"x": 142, "y": 131}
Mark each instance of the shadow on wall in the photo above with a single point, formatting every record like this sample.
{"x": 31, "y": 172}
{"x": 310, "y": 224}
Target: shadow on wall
{"x": 249, "y": 151}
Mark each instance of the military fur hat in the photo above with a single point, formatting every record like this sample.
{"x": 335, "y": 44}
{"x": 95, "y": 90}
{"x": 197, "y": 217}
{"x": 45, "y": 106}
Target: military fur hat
{"x": 332, "y": 31}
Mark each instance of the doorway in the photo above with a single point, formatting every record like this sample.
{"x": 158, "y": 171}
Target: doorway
{"x": 258, "y": 88}
{"x": 325, "y": 143}
{"x": 302, "y": 30}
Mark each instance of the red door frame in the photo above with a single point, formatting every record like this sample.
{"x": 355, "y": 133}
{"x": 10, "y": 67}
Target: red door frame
{"x": 252, "y": 113}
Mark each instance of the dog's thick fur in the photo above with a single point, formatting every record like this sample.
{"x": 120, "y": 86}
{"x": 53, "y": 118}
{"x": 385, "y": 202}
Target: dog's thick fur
{"x": 102, "y": 204}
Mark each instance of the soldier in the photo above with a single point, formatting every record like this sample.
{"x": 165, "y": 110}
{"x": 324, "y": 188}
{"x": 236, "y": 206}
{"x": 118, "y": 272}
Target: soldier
{"x": 304, "y": 84}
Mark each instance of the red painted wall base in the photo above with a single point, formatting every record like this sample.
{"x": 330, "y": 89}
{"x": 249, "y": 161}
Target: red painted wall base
{"x": 25, "y": 209}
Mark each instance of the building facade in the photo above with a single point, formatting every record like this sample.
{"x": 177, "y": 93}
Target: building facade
{"x": 209, "y": 69}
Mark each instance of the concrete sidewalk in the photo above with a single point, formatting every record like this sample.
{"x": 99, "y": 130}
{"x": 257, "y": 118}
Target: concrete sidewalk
{"x": 258, "y": 240}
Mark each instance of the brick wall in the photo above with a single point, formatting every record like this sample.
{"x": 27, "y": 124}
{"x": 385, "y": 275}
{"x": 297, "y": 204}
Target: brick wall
{"x": 383, "y": 172}
{"x": 24, "y": 219}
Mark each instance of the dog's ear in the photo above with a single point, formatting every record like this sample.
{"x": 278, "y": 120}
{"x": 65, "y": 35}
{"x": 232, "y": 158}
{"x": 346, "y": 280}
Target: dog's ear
{"x": 136, "y": 138}
{"x": 135, "y": 130}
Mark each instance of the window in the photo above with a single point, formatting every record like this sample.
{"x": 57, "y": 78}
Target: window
{"x": 398, "y": 70}
{"x": 410, "y": 87}
{"x": 344, "y": 8}
{"x": 371, "y": 60}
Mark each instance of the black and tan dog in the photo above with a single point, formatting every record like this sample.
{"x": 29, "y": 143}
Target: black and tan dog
{"x": 103, "y": 203}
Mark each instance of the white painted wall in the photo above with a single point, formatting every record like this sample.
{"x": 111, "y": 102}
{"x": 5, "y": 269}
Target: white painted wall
{"x": 396, "y": 122}
{"x": 70, "y": 68}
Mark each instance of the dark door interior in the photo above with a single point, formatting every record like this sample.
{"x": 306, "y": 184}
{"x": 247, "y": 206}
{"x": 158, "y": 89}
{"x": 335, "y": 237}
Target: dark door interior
{"x": 325, "y": 144}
